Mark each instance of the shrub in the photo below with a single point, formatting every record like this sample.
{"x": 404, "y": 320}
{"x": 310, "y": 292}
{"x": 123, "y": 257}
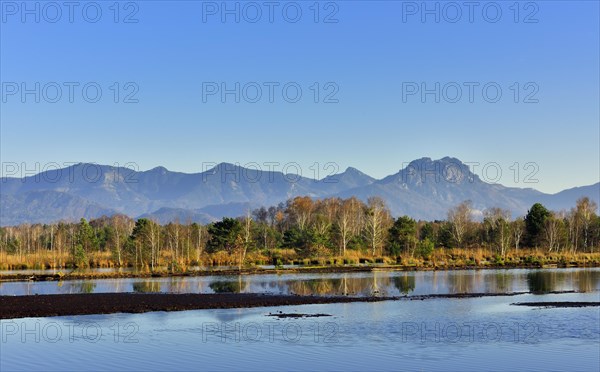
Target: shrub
{"x": 424, "y": 248}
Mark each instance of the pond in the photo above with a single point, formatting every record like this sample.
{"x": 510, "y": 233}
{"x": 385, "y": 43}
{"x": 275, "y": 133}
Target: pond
{"x": 470, "y": 334}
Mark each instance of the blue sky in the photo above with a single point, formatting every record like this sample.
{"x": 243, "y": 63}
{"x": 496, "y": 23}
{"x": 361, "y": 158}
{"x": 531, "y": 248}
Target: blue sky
{"x": 373, "y": 53}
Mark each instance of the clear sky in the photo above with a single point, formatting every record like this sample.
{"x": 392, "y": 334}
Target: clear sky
{"x": 371, "y": 61}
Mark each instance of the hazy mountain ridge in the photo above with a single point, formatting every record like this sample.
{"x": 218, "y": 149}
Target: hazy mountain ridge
{"x": 425, "y": 189}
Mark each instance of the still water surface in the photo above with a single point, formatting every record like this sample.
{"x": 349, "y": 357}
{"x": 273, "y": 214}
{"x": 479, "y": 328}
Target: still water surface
{"x": 355, "y": 284}
{"x": 439, "y": 334}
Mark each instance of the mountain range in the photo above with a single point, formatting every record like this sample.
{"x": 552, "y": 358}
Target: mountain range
{"x": 424, "y": 189}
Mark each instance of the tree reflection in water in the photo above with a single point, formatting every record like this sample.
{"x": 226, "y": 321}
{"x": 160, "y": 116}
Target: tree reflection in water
{"x": 501, "y": 282}
{"x": 147, "y": 286}
{"x": 226, "y": 286}
{"x": 85, "y": 287}
{"x": 405, "y": 283}
{"x": 587, "y": 281}
{"x": 460, "y": 283}
{"x": 541, "y": 282}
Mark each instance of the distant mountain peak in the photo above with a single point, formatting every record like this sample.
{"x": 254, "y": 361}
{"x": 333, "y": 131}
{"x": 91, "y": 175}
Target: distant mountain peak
{"x": 160, "y": 169}
{"x": 445, "y": 160}
{"x": 229, "y": 165}
{"x": 224, "y": 166}
{"x": 444, "y": 171}
{"x": 352, "y": 170}
{"x": 421, "y": 160}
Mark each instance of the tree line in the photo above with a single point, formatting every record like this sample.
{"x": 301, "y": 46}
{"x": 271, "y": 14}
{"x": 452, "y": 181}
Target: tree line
{"x": 310, "y": 228}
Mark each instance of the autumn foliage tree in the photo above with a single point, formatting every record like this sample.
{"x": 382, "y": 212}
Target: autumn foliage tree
{"x": 302, "y": 228}
{"x": 460, "y": 218}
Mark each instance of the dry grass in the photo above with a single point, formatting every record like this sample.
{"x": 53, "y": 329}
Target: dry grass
{"x": 50, "y": 260}
{"x": 477, "y": 257}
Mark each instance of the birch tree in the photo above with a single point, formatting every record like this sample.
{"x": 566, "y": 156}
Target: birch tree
{"x": 460, "y": 217}
{"x": 377, "y": 219}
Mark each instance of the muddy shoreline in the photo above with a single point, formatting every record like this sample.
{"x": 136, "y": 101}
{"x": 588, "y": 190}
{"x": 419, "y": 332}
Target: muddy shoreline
{"x": 109, "y": 303}
{"x": 556, "y": 305}
{"x": 75, "y": 275}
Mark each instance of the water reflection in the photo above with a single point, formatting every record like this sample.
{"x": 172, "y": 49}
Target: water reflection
{"x": 146, "y": 286}
{"x": 87, "y": 286}
{"x": 541, "y": 281}
{"x": 372, "y": 284}
{"x": 221, "y": 286}
{"x": 501, "y": 282}
{"x": 405, "y": 283}
{"x": 379, "y": 283}
{"x": 461, "y": 283}
{"x": 585, "y": 283}
{"x": 177, "y": 285}
{"x": 314, "y": 286}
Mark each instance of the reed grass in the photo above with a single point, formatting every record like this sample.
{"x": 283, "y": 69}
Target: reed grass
{"x": 441, "y": 257}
